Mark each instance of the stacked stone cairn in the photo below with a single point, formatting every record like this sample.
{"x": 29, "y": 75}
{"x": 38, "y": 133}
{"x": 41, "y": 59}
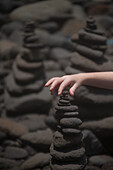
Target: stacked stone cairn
{"x": 67, "y": 149}
{"x": 90, "y": 56}
{"x": 25, "y": 90}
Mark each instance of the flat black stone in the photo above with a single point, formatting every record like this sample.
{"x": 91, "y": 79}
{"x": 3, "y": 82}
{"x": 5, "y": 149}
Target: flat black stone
{"x": 70, "y": 122}
{"x": 63, "y": 141}
{"x": 67, "y": 108}
{"x": 69, "y": 154}
{"x": 70, "y": 130}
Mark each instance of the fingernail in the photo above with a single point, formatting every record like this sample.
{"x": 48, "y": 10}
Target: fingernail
{"x": 59, "y": 93}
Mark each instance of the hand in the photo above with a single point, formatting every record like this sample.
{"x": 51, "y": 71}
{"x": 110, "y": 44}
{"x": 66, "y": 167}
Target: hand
{"x": 71, "y": 81}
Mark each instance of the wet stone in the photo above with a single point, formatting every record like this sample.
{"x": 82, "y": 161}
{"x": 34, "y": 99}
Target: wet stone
{"x": 15, "y": 153}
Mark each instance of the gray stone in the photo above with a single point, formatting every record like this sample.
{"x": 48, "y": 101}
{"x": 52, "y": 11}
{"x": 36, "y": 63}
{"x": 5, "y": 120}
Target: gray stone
{"x": 15, "y": 153}
{"x": 64, "y": 141}
{"x": 8, "y": 49}
{"x": 16, "y": 89}
{"x": 100, "y": 160}
{"x": 51, "y": 65}
{"x": 12, "y": 128}
{"x": 88, "y": 52}
{"x": 92, "y": 38}
{"x": 71, "y": 131}
{"x": 67, "y": 166}
{"x": 11, "y": 27}
{"x": 52, "y": 40}
{"x": 93, "y": 95}
{"x": 80, "y": 62}
{"x": 76, "y": 153}
{"x": 33, "y": 122}
{"x": 7, "y": 163}
{"x": 88, "y": 167}
{"x": 59, "y": 54}
{"x": 41, "y": 139}
{"x": 41, "y": 11}
{"x": 67, "y": 109}
{"x": 49, "y": 26}
{"x": 38, "y": 160}
{"x": 102, "y": 128}
{"x": 28, "y": 103}
{"x": 92, "y": 144}
{"x": 107, "y": 166}
{"x": 70, "y": 122}
{"x": 24, "y": 77}
{"x": 72, "y": 26}
{"x": 78, "y": 12}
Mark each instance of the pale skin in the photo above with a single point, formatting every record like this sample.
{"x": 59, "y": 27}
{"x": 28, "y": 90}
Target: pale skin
{"x": 95, "y": 79}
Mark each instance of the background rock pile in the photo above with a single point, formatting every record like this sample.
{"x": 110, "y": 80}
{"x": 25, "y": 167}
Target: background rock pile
{"x": 30, "y": 55}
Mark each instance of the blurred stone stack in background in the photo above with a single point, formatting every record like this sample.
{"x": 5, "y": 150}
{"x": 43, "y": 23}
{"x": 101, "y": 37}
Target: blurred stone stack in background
{"x": 67, "y": 150}
{"x": 90, "y": 56}
{"x": 25, "y": 90}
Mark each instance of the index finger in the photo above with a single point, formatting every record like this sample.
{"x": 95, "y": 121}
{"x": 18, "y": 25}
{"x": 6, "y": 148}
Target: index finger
{"x": 50, "y": 81}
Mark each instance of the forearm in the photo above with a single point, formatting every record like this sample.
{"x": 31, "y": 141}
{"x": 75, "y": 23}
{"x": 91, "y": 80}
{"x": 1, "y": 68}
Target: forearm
{"x": 98, "y": 79}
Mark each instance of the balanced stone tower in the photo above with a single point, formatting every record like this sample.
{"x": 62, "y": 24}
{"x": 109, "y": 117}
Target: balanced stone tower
{"x": 90, "y": 56}
{"x": 67, "y": 149}
{"x": 25, "y": 91}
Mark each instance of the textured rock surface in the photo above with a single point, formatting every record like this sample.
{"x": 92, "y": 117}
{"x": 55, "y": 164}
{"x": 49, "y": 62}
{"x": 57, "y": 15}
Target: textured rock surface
{"x": 38, "y": 160}
{"x": 34, "y": 11}
{"x": 25, "y": 90}
{"x": 15, "y": 153}
{"x": 67, "y": 150}
{"x": 41, "y": 139}
{"x": 103, "y": 128}
{"x": 90, "y": 56}
{"x": 100, "y": 160}
{"x": 12, "y": 128}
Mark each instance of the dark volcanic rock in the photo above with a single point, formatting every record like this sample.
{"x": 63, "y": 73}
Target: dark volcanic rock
{"x": 25, "y": 92}
{"x": 12, "y": 128}
{"x": 35, "y": 12}
{"x": 15, "y": 153}
{"x": 99, "y": 160}
{"x": 33, "y": 122}
{"x": 41, "y": 139}
{"x": 7, "y": 163}
{"x": 38, "y": 160}
{"x": 67, "y": 150}
{"x": 102, "y": 128}
{"x": 92, "y": 144}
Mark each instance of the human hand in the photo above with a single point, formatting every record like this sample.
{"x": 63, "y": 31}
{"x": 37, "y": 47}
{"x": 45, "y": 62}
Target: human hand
{"x": 71, "y": 81}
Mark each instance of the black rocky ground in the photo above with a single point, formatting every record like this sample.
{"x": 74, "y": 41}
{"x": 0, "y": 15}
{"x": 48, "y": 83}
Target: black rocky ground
{"x": 27, "y": 133}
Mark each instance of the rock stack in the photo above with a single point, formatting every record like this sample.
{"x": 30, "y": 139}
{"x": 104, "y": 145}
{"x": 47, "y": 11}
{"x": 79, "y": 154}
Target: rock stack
{"x": 90, "y": 56}
{"x": 67, "y": 149}
{"x": 25, "y": 90}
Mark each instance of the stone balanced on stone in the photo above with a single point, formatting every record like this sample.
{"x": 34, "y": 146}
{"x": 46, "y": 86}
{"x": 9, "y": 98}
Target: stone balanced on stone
{"x": 67, "y": 149}
{"x": 25, "y": 90}
{"x": 90, "y": 56}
